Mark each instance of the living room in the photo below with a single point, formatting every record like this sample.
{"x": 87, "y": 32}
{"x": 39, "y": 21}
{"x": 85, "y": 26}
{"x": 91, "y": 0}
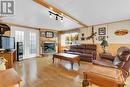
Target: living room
{"x": 45, "y": 43}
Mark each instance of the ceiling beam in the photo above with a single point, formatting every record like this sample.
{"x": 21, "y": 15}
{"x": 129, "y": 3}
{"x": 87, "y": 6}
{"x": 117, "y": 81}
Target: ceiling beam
{"x": 49, "y": 6}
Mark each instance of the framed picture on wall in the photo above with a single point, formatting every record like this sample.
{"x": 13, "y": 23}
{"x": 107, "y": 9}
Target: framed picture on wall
{"x": 82, "y": 37}
{"x": 102, "y": 31}
{"x": 100, "y": 38}
{"x": 49, "y": 34}
{"x": 42, "y": 34}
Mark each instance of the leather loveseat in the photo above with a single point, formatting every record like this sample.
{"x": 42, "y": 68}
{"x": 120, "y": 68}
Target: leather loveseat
{"x": 87, "y": 52}
{"x": 108, "y": 77}
{"x": 122, "y": 55}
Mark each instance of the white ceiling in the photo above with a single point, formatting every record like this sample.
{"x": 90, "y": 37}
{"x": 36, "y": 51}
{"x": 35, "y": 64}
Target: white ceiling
{"x": 27, "y": 12}
{"x": 93, "y": 12}
{"x": 90, "y": 12}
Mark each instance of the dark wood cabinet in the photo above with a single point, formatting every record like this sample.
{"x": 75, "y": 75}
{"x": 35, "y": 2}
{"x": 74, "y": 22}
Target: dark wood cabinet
{"x": 10, "y": 57}
{"x": 19, "y": 51}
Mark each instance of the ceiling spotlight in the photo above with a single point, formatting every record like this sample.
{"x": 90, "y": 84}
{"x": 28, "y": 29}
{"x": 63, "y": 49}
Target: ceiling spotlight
{"x": 50, "y": 15}
{"x": 62, "y": 19}
{"x": 56, "y": 17}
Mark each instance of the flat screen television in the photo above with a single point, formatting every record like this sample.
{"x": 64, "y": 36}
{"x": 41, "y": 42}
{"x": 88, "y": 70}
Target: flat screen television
{"x": 7, "y": 42}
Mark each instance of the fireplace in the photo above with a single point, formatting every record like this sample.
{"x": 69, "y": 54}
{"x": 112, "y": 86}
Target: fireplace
{"x": 49, "y": 47}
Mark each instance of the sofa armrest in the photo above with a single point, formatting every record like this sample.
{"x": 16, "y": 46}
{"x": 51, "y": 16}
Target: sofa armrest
{"x": 66, "y": 50}
{"x": 107, "y": 56}
{"x": 104, "y": 63}
{"x": 94, "y": 55}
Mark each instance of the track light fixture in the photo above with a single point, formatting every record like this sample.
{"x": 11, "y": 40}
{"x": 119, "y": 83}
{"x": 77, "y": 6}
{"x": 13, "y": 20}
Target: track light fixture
{"x": 57, "y": 16}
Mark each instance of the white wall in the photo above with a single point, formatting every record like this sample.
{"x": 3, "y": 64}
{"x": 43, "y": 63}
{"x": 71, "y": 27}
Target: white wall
{"x": 119, "y": 39}
{"x": 87, "y": 32}
{"x": 111, "y": 28}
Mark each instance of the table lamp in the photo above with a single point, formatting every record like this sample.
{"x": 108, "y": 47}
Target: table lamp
{"x": 104, "y": 44}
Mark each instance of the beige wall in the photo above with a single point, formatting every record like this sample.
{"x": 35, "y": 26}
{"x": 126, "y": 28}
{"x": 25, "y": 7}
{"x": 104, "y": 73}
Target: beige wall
{"x": 114, "y": 41}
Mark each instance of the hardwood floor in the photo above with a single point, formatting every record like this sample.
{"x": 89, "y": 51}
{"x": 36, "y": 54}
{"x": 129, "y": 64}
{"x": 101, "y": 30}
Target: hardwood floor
{"x": 41, "y": 72}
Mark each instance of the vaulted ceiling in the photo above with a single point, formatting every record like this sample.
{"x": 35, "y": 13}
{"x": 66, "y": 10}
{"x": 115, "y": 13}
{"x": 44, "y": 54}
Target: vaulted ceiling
{"x": 89, "y": 12}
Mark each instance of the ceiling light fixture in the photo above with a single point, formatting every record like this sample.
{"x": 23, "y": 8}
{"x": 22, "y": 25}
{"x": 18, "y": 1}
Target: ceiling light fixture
{"x": 57, "y": 16}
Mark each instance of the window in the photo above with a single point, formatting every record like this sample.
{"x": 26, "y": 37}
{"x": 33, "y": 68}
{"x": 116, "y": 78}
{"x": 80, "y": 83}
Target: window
{"x": 19, "y": 36}
{"x": 69, "y": 39}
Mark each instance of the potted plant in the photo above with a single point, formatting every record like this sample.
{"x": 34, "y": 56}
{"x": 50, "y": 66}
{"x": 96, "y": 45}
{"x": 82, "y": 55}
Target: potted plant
{"x": 104, "y": 44}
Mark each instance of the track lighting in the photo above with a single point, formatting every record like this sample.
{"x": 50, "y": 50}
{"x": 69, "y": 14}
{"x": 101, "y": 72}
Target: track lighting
{"x": 57, "y": 16}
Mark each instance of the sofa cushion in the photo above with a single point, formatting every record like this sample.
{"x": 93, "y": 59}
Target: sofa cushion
{"x": 73, "y": 46}
{"x": 77, "y": 53}
{"x": 89, "y": 51}
{"x": 87, "y": 55}
{"x": 104, "y": 62}
{"x": 80, "y": 50}
{"x": 91, "y": 47}
{"x": 82, "y": 46}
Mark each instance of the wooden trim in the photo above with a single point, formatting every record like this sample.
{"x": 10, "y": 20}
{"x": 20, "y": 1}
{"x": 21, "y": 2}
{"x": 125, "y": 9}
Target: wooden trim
{"x": 19, "y": 25}
{"x": 70, "y": 31}
{"x": 49, "y": 6}
{"x": 45, "y": 29}
{"x": 110, "y": 22}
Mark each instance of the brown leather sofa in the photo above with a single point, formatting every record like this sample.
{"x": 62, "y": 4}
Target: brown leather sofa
{"x": 108, "y": 80}
{"x": 110, "y": 63}
{"x": 87, "y": 52}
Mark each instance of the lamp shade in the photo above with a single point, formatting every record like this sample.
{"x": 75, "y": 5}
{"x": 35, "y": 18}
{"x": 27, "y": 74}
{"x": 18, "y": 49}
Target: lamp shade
{"x": 104, "y": 43}
{"x": 4, "y": 28}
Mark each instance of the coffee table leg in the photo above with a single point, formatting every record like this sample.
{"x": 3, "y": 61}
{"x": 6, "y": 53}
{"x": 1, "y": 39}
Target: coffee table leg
{"x": 79, "y": 63}
{"x": 72, "y": 65}
{"x": 53, "y": 60}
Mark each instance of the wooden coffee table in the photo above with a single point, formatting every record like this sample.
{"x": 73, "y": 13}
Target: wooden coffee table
{"x": 68, "y": 57}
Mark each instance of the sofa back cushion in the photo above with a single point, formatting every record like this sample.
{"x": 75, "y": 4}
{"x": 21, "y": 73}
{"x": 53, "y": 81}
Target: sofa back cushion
{"x": 91, "y": 47}
{"x": 83, "y": 48}
{"x": 73, "y": 47}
